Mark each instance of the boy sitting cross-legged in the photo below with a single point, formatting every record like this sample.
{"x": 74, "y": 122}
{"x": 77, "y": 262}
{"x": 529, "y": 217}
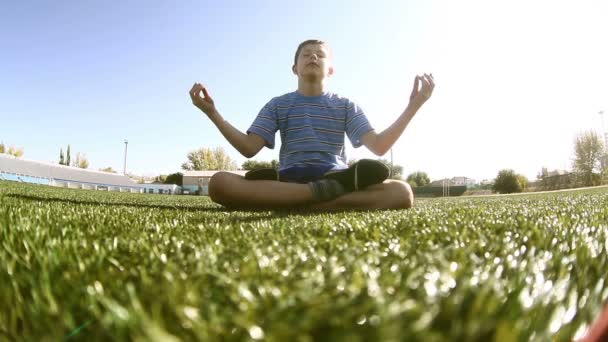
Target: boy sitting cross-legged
{"x": 312, "y": 163}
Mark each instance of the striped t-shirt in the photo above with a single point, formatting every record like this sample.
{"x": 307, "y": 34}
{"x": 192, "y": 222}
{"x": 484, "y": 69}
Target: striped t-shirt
{"x": 312, "y": 128}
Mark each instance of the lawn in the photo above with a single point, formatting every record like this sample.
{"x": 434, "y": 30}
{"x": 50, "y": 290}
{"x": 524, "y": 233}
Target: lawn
{"x": 86, "y": 265}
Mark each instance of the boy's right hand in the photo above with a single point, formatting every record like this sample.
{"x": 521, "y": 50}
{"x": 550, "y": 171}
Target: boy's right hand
{"x": 205, "y": 103}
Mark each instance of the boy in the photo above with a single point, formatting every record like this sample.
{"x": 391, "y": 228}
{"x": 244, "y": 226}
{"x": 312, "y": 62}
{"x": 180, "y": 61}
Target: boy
{"x": 312, "y": 164}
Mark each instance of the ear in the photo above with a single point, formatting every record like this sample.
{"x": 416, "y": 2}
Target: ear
{"x": 331, "y": 71}
{"x": 294, "y": 69}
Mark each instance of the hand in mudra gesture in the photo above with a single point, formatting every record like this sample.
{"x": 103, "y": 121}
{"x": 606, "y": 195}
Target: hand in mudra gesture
{"x": 422, "y": 90}
{"x": 205, "y": 102}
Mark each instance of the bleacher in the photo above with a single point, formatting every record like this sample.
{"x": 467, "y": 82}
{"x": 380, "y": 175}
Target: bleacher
{"x": 30, "y": 171}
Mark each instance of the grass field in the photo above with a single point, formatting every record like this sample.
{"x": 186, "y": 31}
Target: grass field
{"x": 85, "y": 265}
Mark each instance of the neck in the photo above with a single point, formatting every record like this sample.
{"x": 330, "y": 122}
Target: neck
{"x": 310, "y": 88}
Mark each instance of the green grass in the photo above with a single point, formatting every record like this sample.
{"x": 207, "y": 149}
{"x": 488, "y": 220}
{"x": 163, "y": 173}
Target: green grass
{"x": 78, "y": 265}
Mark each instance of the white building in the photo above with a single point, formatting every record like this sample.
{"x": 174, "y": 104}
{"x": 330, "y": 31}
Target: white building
{"x": 463, "y": 181}
{"x": 155, "y": 188}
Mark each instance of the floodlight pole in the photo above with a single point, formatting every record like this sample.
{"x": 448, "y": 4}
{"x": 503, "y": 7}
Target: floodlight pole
{"x": 125, "y": 164}
{"x": 601, "y": 113}
{"x": 391, "y": 173}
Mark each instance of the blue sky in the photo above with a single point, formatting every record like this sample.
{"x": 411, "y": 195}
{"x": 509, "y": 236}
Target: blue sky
{"x": 516, "y": 81}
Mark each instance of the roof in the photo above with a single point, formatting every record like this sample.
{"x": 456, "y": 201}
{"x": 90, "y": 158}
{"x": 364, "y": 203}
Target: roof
{"x": 28, "y": 167}
{"x": 557, "y": 173}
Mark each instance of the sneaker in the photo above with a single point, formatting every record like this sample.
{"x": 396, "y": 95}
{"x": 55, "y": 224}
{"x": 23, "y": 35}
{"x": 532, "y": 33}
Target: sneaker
{"x": 360, "y": 175}
{"x": 262, "y": 174}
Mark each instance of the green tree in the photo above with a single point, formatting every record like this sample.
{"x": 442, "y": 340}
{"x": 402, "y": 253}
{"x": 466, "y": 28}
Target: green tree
{"x": 14, "y": 151}
{"x": 81, "y": 161}
{"x": 523, "y": 182}
{"x": 396, "y": 170}
{"x": 61, "y": 158}
{"x": 209, "y": 159}
{"x": 542, "y": 177}
{"x": 108, "y": 169}
{"x": 175, "y": 178}
{"x": 418, "y": 178}
{"x": 67, "y": 158}
{"x": 11, "y": 150}
{"x": 256, "y": 164}
{"x": 160, "y": 179}
{"x": 508, "y": 182}
{"x": 588, "y": 152}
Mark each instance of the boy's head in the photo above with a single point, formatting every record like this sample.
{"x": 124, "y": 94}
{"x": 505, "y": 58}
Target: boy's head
{"x": 313, "y": 60}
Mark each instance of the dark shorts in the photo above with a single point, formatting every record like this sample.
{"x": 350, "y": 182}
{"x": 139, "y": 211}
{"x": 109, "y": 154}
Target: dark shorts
{"x": 304, "y": 174}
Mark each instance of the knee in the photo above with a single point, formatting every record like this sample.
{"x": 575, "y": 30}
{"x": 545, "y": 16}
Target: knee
{"x": 218, "y": 184}
{"x": 402, "y": 195}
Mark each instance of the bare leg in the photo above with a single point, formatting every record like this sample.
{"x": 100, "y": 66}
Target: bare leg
{"x": 392, "y": 194}
{"x": 233, "y": 190}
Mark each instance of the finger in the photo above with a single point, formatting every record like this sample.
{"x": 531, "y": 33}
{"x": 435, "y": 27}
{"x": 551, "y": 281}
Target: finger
{"x": 424, "y": 83}
{"x": 432, "y": 81}
{"x": 206, "y": 93}
{"x": 416, "y": 84}
{"x": 428, "y": 81}
{"x": 194, "y": 91}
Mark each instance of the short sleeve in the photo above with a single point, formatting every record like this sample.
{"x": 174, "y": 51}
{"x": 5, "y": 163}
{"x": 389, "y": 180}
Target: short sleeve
{"x": 356, "y": 124}
{"x": 265, "y": 124}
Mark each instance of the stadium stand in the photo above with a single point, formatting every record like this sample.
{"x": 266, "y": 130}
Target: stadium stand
{"x": 30, "y": 171}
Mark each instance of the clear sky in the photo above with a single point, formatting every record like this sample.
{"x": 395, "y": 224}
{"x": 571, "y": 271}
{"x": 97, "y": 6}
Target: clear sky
{"x": 516, "y": 80}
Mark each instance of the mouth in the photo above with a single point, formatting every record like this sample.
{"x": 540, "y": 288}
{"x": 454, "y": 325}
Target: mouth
{"x": 312, "y": 64}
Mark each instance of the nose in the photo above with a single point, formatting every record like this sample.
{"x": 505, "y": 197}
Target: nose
{"x": 314, "y": 57}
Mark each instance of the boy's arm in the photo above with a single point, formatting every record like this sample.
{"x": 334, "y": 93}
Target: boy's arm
{"x": 247, "y": 144}
{"x": 380, "y": 143}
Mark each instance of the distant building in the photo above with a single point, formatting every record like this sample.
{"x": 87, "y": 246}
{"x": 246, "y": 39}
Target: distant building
{"x": 197, "y": 182}
{"x": 167, "y": 189}
{"x": 454, "y": 181}
{"x": 440, "y": 182}
{"x": 463, "y": 181}
{"x": 557, "y": 173}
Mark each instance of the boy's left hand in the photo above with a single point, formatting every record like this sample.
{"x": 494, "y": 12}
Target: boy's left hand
{"x": 422, "y": 91}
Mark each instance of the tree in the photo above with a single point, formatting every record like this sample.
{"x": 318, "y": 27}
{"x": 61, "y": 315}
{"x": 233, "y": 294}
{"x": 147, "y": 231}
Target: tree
{"x": 209, "y": 159}
{"x": 508, "y": 182}
{"x": 175, "y": 178}
{"x": 418, "y": 178}
{"x": 61, "y": 158}
{"x": 542, "y": 177}
{"x": 160, "y": 179}
{"x": 588, "y": 152}
{"x": 67, "y": 158}
{"x": 81, "y": 161}
{"x": 13, "y": 151}
{"x": 2, "y": 148}
{"x": 108, "y": 169}
{"x": 523, "y": 182}
{"x": 256, "y": 164}
{"x": 396, "y": 170}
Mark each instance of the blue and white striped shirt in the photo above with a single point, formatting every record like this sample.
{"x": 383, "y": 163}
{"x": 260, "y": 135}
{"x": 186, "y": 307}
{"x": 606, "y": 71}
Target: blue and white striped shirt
{"x": 312, "y": 128}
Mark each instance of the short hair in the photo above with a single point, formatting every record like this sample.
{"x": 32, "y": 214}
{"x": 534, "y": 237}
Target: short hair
{"x": 304, "y": 43}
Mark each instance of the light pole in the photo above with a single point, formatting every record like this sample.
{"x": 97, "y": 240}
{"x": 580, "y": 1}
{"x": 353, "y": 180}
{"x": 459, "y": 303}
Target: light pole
{"x": 391, "y": 173}
{"x": 601, "y": 113}
{"x": 125, "y": 165}
{"x": 604, "y": 161}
